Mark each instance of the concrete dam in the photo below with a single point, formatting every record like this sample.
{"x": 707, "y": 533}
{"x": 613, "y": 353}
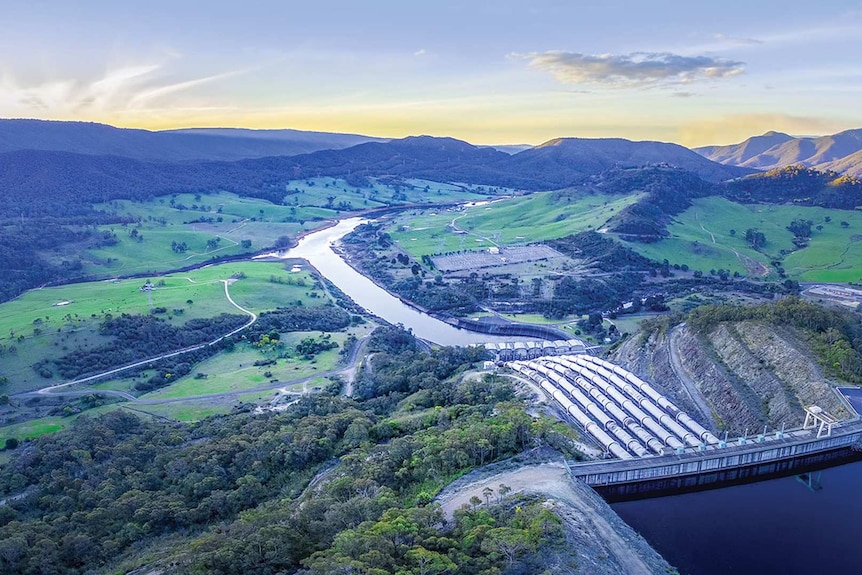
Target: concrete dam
{"x": 651, "y": 439}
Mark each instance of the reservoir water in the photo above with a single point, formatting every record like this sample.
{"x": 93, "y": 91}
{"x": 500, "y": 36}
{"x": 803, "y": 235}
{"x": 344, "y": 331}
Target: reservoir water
{"x": 785, "y": 526}
{"x": 316, "y": 248}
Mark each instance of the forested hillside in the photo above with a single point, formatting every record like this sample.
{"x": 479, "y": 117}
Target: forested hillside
{"x": 231, "y": 494}
{"x": 167, "y": 146}
{"x": 799, "y": 185}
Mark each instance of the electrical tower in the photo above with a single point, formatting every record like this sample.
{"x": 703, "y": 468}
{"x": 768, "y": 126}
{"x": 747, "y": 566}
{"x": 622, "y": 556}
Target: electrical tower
{"x": 149, "y": 287}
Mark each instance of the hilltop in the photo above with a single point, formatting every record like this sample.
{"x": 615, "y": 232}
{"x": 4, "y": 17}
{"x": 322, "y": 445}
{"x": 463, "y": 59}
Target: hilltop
{"x": 167, "y": 146}
{"x": 837, "y": 152}
{"x": 566, "y": 160}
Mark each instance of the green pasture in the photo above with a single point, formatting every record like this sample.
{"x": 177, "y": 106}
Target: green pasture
{"x": 318, "y": 191}
{"x": 34, "y": 327}
{"x": 524, "y": 219}
{"x": 235, "y": 371}
{"x": 701, "y": 238}
{"x": 187, "y": 411}
{"x": 535, "y": 318}
{"x": 49, "y": 424}
{"x": 34, "y": 428}
{"x": 146, "y": 246}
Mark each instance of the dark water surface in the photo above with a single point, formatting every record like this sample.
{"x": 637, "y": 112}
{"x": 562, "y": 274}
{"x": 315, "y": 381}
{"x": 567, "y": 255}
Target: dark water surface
{"x": 853, "y": 396}
{"x": 777, "y": 526}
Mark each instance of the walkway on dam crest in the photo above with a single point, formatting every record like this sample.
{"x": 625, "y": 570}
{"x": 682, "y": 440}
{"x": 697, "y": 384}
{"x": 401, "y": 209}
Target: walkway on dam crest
{"x": 773, "y": 448}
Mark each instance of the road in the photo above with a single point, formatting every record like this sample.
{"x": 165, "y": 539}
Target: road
{"x": 52, "y": 389}
{"x": 348, "y": 372}
{"x": 682, "y": 374}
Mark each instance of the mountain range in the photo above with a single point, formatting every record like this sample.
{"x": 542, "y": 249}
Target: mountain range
{"x": 167, "y": 146}
{"x": 85, "y": 163}
{"x": 841, "y": 152}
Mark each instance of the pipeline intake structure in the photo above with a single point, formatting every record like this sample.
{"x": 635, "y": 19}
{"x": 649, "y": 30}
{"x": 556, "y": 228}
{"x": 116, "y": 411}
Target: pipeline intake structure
{"x": 625, "y": 414}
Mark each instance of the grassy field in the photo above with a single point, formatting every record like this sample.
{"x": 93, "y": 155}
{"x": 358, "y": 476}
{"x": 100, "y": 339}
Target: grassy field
{"x": 36, "y": 328}
{"x": 230, "y": 220}
{"x": 45, "y": 425}
{"x": 523, "y": 219}
{"x": 536, "y": 318}
{"x": 169, "y": 219}
{"x": 186, "y": 411}
{"x": 235, "y": 371}
{"x": 229, "y": 372}
{"x": 701, "y": 238}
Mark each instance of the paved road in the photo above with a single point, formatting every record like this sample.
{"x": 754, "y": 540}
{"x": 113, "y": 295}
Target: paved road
{"x": 347, "y": 372}
{"x": 52, "y": 389}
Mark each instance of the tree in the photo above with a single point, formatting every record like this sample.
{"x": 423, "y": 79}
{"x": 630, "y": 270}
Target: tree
{"x": 430, "y": 562}
{"x": 508, "y": 542}
{"x": 487, "y": 493}
{"x": 800, "y": 228}
{"x": 755, "y": 237}
{"x": 283, "y": 242}
{"x": 246, "y": 244}
{"x": 11, "y": 443}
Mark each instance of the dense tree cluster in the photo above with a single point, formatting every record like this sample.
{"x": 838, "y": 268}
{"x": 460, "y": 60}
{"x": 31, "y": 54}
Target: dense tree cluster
{"x": 666, "y": 192}
{"x": 137, "y": 336}
{"x": 602, "y": 252}
{"x": 300, "y": 318}
{"x": 755, "y": 238}
{"x": 231, "y": 490}
{"x": 23, "y": 242}
{"x": 574, "y": 296}
{"x": 446, "y": 298}
{"x": 799, "y": 185}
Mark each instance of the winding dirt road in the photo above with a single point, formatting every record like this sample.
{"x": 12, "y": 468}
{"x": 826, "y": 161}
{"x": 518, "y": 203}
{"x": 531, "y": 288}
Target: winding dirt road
{"x": 52, "y": 389}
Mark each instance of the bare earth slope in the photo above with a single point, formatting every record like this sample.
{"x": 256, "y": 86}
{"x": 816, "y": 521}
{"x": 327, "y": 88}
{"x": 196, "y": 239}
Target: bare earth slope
{"x": 747, "y": 374}
{"x": 603, "y": 544}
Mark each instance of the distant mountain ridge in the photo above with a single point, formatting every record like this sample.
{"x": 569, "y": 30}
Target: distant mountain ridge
{"x": 30, "y": 179}
{"x": 195, "y": 144}
{"x": 837, "y": 152}
{"x": 570, "y": 159}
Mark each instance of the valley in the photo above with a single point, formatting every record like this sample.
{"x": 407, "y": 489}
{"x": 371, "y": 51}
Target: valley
{"x": 653, "y": 267}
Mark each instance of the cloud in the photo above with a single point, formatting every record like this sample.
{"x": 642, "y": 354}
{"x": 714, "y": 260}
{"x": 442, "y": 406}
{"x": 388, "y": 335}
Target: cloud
{"x": 635, "y": 70}
{"x": 154, "y": 92}
{"x": 421, "y": 52}
{"x": 118, "y": 89}
{"x": 737, "y": 40}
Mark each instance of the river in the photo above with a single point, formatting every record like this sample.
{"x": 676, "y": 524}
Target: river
{"x": 316, "y": 248}
{"x": 775, "y": 526}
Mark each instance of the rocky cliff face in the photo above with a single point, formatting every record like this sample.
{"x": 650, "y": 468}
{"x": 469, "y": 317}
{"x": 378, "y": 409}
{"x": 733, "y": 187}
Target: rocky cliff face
{"x": 740, "y": 376}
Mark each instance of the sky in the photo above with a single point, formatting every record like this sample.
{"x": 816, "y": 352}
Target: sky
{"x": 690, "y": 72}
